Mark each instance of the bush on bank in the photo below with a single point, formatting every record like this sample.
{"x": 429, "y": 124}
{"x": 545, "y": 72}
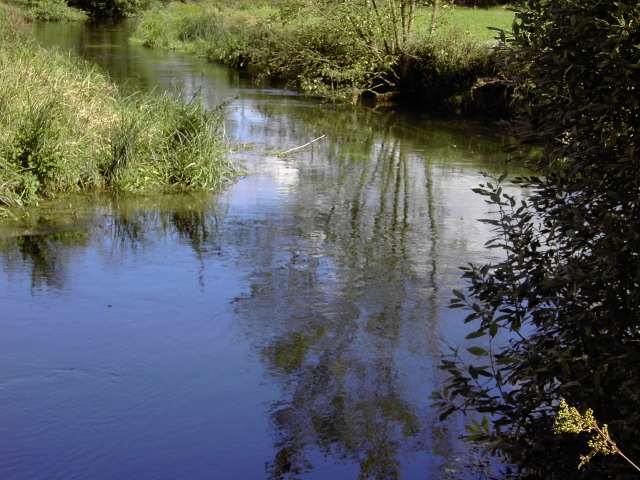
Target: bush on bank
{"x": 64, "y": 127}
{"x": 110, "y": 9}
{"x": 338, "y": 50}
{"x": 76, "y": 10}
{"x": 559, "y": 315}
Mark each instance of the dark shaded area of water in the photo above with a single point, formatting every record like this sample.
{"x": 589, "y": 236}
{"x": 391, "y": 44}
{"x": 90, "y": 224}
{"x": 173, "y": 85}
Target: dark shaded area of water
{"x": 288, "y": 327}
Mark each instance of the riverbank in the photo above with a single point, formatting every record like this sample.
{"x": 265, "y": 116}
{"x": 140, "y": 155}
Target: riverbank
{"x": 65, "y": 127}
{"x": 347, "y": 52}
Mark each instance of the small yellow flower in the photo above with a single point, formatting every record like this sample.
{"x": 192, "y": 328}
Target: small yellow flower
{"x": 570, "y": 420}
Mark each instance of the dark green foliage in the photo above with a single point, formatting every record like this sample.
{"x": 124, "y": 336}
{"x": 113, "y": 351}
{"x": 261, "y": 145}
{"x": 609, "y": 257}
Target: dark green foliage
{"x": 483, "y": 3}
{"x": 114, "y": 9}
{"x": 436, "y": 80}
{"x": 561, "y": 311}
{"x": 35, "y": 145}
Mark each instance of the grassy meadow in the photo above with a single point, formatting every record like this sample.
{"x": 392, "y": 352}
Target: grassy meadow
{"x": 65, "y": 127}
{"x": 476, "y": 23}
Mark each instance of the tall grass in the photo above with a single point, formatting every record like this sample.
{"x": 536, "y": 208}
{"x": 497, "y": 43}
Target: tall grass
{"x": 64, "y": 127}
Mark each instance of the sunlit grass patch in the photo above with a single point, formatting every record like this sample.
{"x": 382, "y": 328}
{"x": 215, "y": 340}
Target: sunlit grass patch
{"x": 477, "y": 23}
{"x": 340, "y": 52}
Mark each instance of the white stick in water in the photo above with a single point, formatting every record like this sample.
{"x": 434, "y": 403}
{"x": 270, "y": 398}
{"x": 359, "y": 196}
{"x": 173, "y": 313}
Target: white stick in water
{"x": 282, "y": 154}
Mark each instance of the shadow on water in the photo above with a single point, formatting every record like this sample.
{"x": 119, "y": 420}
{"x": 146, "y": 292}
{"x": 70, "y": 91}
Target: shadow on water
{"x": 287, "y": 327}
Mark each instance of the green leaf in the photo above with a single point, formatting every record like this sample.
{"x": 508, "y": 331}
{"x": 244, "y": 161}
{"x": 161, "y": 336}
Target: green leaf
{"x": 476, "y": 334}
{"x": 458, "y": 294}
{"x": 477, "y": 351}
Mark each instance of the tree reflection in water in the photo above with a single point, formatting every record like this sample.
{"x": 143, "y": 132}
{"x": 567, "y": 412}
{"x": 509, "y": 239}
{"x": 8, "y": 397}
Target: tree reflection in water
{"x": 357, "y": 292}
{"x": 47, "y": 238}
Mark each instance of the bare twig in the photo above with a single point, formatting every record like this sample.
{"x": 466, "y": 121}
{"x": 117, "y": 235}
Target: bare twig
{"x": 282, "y": 154}
{"x": 604, "y": 434}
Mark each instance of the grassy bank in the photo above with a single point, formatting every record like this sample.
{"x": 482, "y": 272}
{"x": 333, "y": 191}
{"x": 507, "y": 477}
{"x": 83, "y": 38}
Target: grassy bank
{"x": 64, "y": 127}
{"x": 344, "y": 52}
{"x": 47, "y": 10}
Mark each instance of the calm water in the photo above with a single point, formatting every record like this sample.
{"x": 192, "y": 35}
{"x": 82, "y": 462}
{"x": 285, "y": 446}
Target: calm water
{"x": 287, "y": 327}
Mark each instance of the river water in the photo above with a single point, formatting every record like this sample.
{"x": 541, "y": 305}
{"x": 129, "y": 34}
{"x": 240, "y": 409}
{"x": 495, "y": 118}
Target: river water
{"x": 287, "y": 327}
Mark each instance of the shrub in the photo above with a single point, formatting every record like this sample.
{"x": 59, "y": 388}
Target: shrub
{"x": 338, "y": 50}
{"x": 483, "y": 3}
{"x": 561, "y": 312}
{"x": 54, "y": 10}
{"x": 48, "y": 10}
{"x": 449, "y": 64}
{"x": 36, "y": 146}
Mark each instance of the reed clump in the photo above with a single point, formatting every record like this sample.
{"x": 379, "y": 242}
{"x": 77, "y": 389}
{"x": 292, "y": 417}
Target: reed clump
{"x": 64, "y": 127}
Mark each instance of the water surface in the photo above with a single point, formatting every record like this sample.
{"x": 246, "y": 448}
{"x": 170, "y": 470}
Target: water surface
{"x": 287, "y": 327}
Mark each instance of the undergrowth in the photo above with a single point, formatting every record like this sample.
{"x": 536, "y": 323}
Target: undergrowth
{"x": 328, "y": 50}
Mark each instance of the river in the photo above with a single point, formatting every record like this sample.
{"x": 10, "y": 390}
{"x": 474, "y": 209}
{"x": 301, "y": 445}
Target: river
{"x": 289, "y": 326}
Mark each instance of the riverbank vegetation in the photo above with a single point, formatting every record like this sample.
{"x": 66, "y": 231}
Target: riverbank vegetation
{"x": 46, "y": 10}
{"x": 78, "y": 10}
{"x": 110, "y": 9}
{"x": 64, "y": 127}
{"x": 558, "y": 319}
{"x": 340, "y": 50}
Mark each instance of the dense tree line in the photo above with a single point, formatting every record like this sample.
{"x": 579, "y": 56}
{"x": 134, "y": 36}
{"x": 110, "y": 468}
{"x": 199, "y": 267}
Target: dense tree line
{"x": 110, "y": 8}
{"x": 123, "y": 8}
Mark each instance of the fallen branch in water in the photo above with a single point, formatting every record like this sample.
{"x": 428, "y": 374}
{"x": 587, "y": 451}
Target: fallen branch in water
{"x": 282, "y": 154}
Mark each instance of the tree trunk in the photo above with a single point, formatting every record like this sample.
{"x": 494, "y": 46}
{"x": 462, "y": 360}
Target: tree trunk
{"x": 434, "y": 16}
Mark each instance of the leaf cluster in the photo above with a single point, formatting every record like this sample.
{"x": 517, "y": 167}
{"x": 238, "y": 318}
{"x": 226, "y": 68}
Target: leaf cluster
{"x": 110, "y": 9}
{"x": 561, "y": 310}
